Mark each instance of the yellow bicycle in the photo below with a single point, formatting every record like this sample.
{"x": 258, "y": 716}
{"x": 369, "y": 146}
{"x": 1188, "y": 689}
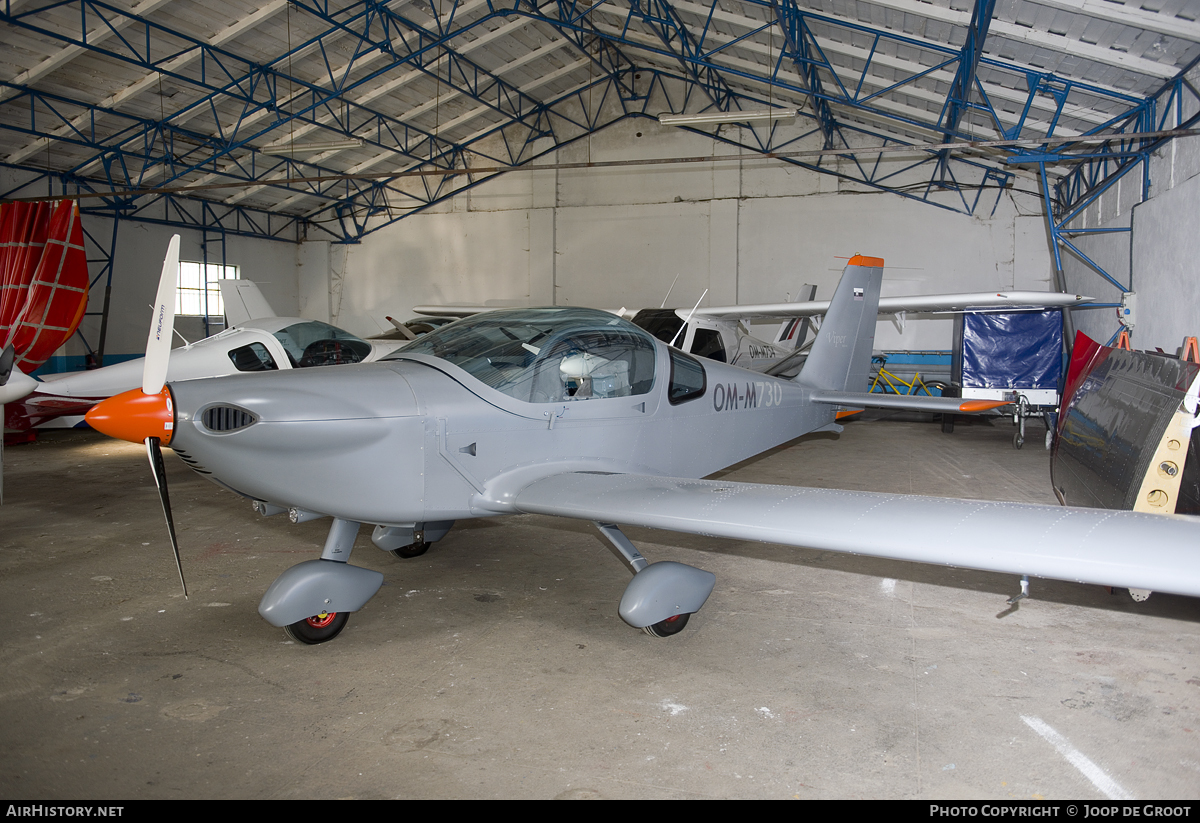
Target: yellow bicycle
{"x": 885, "y": 382}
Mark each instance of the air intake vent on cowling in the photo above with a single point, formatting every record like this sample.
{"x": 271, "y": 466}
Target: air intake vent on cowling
{"x": 227, "y": 418}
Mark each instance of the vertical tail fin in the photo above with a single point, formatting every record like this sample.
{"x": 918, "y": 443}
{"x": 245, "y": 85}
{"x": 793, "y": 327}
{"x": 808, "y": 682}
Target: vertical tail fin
{"x": 243, "y": 302}
{"x": 841, "y": 356}
{"x": 794, "y": 331}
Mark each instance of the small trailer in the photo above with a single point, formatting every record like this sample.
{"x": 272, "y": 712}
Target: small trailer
{"x": 1017, "y": 357}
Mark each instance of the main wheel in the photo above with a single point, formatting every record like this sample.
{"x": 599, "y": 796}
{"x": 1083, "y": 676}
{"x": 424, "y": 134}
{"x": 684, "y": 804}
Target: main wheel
{"x": 411, "y": 550}
{"x": 320, "y": 628}
{"x": 668, "y": 627}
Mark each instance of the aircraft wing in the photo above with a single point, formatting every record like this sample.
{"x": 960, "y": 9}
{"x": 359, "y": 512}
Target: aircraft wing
{"x": 978, "y": 301}
{"x": 451, "y": 311}
{"x": 1100, "y": 546}
{"x": 468, "y": 311}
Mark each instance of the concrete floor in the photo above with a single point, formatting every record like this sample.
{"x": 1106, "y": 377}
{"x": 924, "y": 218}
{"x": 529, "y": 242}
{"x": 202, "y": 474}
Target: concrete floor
{"x": 496, "y": 665}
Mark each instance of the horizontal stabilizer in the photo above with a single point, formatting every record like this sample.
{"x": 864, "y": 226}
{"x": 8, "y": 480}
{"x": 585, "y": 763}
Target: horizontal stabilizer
{"x": 1108, "y": 548}
{"x": 935, "y": 405}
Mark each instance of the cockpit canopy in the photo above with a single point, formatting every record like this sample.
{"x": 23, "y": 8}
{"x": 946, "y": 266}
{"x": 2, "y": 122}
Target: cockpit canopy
{"x": 306, "y": 343}
{"x": 313, "y": 343}
{"x": 547, "y": 355}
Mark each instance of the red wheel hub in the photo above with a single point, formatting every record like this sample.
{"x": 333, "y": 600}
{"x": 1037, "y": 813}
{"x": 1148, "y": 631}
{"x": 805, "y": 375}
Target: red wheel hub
{"x": 320, "y": 621}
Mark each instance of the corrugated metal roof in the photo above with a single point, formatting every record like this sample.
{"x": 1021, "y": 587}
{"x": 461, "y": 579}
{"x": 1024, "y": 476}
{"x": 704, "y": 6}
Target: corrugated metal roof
{"x": 180, "y": 93}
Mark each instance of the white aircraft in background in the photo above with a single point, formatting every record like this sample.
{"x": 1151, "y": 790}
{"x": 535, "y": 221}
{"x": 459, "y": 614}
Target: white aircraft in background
{"x": 257, "y": 340}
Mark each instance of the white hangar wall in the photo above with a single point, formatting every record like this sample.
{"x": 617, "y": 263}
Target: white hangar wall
{"x": 139, "y": 259}
{"x": 748, "y": 231}
{"x": 1158, "y": 258}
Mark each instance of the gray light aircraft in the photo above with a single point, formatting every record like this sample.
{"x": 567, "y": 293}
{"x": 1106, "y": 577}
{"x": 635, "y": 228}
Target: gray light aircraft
{"x": 580, "y": 414}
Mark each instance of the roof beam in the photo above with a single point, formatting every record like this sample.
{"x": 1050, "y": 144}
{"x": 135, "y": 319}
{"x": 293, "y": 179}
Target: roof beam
{"x": 1045, "y": 39}
{"x": 150, "y": 80}
{"x": 96, "y": 35}
{"x": 1128, "y": 15}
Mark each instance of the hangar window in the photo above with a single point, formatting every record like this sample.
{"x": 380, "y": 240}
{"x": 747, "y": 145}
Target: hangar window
{"x": 547, "y": 355}
{"x": 197, "y": 293}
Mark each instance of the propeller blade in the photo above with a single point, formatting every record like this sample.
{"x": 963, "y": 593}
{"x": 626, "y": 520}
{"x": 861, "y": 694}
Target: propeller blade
{"x": 162, "y": 324}
{"x": 154, "y": 452}
{"x": 403, "y": 329}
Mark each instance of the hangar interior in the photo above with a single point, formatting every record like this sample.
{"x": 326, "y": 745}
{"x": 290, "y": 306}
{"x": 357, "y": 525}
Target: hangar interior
{"x": 357, "y": 159}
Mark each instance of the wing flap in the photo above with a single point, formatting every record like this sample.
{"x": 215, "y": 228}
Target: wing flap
{"x": 1105, "y": 547}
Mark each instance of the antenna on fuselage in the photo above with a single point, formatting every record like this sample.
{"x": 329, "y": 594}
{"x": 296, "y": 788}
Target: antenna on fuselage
{"x": 688, "y": 319}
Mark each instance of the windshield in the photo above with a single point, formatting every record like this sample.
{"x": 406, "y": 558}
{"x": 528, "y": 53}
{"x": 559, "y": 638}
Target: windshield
{"x": 313, "y": 343}
{"x": 547, "y": 355}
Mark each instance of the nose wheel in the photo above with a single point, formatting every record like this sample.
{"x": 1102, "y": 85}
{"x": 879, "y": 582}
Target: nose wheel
{"x": 668, "y": 627}
{"x": 319, "y": 628}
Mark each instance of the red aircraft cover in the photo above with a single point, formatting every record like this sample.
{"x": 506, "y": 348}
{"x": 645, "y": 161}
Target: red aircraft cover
{"x": 43, "y": 278}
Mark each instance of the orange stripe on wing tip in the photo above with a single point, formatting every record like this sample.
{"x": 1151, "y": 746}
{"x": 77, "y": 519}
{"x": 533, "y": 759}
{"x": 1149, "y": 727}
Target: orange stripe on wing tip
{"x": 980, "y": 405}
{"x": 860, "y": 260}
{"x": 842, "y": 414}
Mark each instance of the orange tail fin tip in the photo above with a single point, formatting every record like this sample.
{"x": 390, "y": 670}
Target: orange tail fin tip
{"x": 861, "y": 260}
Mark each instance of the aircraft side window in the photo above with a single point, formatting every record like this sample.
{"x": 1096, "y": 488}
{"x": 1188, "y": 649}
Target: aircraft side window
{"x": 688, "y": 380}
{"x": 664, "y": 324}
{"x": 253, "y": 357}
{"x": 707, "y": 343}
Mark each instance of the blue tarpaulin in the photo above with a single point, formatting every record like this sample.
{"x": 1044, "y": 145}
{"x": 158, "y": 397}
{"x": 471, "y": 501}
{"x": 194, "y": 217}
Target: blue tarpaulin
{"x": 1022, "y": 350}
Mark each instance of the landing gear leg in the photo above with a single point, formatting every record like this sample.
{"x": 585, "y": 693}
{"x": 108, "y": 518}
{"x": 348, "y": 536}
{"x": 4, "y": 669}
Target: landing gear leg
{"x": 312, "y": 601}
{"x": 662, "y": 596}
{"x": 1019, "y": 417}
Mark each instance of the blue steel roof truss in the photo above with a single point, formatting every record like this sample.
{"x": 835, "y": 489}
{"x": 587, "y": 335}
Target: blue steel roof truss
{"x": 1099, "y": 167}
{"x": 692, "y": 53}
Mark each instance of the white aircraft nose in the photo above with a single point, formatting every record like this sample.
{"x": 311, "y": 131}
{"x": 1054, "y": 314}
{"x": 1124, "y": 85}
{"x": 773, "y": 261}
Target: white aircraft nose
{"x": 19, "y": 384}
